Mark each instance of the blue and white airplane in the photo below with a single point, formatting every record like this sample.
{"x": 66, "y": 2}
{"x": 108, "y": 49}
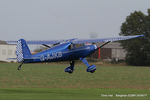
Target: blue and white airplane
{"x": 64, "y": 50}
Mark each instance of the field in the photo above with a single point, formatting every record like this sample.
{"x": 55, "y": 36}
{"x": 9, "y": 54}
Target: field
{"x": 50, "y": 82}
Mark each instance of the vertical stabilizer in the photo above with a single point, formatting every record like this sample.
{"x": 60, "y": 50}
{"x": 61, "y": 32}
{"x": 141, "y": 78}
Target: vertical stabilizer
{"x": 22, "y": 50}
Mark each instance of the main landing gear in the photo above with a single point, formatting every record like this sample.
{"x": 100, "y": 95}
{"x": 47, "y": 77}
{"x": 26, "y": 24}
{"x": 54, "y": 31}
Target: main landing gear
{"x": 90, "y": 68}
{"x": 70, "y": 69}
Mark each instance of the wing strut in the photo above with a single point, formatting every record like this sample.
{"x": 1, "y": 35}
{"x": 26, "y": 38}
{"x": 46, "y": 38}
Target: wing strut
{"x": 46, "y": 45}
{"x": 104, "y": 44}
{"x": 50, "y": 46}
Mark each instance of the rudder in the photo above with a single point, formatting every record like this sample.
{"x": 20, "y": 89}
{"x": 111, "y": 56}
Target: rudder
{"x": 22, "y": 50}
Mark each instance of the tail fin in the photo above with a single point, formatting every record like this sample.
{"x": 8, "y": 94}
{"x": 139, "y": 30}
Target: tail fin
{"x": 22, "y": 50}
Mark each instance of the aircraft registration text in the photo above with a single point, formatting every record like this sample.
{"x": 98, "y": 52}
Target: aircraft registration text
{"x": 50, "y": 56}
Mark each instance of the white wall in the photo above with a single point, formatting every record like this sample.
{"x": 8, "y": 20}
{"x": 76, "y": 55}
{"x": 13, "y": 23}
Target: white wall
{"x": 7, "y": 51}
{"x": 118, "y": 53}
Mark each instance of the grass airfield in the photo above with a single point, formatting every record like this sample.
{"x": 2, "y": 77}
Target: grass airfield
{"x": 50, "y": 82}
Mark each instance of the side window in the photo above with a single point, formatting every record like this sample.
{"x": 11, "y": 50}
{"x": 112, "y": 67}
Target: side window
{"x": 71, "y": 47}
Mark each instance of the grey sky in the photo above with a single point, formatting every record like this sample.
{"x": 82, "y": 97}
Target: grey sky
{"x": 64, "y": 19}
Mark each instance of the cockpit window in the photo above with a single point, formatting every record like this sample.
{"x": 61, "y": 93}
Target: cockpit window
{"x": 72, "y": 46}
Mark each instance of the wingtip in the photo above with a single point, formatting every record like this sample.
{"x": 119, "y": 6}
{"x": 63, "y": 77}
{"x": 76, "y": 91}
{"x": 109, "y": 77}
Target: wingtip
{"x": 142, "y": 35}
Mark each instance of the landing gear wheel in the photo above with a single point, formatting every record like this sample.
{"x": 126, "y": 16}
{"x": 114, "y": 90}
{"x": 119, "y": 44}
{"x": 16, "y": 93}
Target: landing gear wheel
{"x": 91, "y": 69}
{"x": 70, "y": 69}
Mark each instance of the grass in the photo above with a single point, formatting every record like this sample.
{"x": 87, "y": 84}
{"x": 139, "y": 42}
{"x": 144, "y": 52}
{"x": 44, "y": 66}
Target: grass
{"x": 50, "y": 82}
{"x": 70, "y": 94}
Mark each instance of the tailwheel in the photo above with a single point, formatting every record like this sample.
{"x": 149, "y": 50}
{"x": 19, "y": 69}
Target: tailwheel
{"x": 19, "y": 67}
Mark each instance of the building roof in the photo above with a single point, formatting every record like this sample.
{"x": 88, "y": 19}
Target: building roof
{"x": 113, "y": 45}
{"x": 2, "y": 42}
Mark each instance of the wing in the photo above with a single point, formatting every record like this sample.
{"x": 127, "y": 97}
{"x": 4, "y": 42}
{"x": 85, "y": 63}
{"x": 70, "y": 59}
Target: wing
{"x": 80, "y": 41}
{"x": 77, "y": 41}
{"x": 38, "y": 42}
{"x": 41, "y": 42}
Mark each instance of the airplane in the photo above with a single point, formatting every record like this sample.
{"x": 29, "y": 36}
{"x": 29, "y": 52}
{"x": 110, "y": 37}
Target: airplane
{"x": 63, "y": 50}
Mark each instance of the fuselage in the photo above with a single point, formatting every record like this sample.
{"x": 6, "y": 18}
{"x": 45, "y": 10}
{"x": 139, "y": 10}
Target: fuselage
{"x": 62, "y": 52}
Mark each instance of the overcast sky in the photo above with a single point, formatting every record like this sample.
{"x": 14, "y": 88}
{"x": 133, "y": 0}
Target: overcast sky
{"x": 64, "y": 19}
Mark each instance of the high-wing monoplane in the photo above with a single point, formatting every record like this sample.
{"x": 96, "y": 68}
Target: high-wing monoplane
{"x": 63, "y": 50}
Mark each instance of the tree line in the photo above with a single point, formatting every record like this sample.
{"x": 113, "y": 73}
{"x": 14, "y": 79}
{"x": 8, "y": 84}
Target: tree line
{"x": 138, "y": 50}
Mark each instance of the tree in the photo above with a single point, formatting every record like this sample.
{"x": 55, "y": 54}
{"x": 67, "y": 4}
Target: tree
{"x": 138, "y": 50}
